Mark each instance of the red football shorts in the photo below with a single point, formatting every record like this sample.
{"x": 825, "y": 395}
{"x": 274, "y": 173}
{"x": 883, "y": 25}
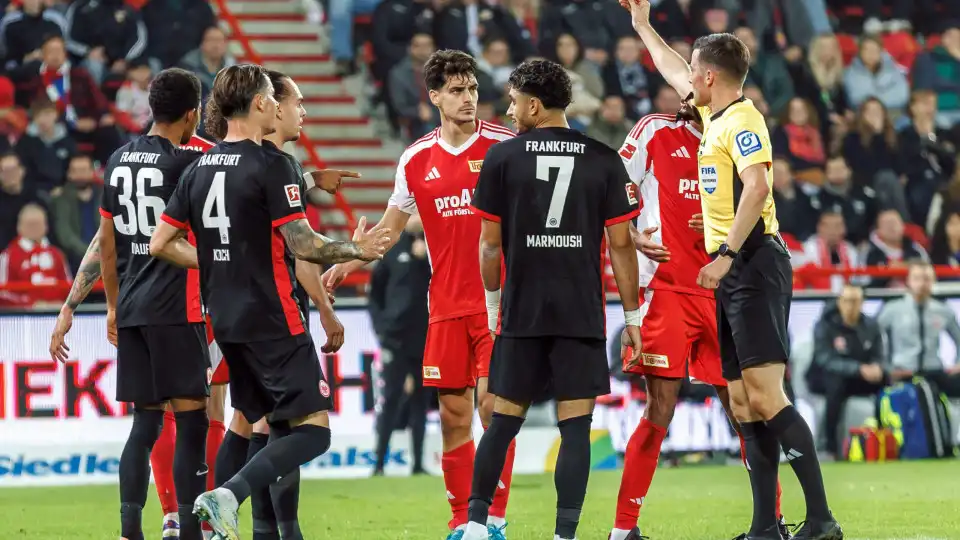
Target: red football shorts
{"x": 457, "y": 352}
{"x": 679, "y": 335}
{"x": 221, "y": 373}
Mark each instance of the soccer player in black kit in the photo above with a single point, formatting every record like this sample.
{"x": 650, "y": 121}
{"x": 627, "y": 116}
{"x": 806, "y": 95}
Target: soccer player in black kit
{"x": 243, "y": 203}
{"x": 153, "y": 307}
{"x": 546, "y": 198}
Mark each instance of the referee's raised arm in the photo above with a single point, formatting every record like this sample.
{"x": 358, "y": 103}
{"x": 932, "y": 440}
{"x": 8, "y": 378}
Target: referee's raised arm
{"x": 669, "y": 63}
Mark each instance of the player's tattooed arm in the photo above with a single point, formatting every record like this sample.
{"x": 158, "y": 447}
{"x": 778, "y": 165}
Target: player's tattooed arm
{"x": 87, "y": 275}
{"x": 308, "y": 245}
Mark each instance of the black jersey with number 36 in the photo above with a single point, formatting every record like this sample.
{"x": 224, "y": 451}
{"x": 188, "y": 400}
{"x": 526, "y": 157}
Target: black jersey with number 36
{"x": 139, "y": 179}
{"x": 234, "y": 199}
{"x": 553, "y": 190}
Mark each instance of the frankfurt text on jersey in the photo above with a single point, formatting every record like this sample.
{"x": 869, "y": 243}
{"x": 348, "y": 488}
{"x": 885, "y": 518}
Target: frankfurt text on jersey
{"x": 149, "y": 158}
{"x": 219, "y": 160}
{"x": 556, "y": 147}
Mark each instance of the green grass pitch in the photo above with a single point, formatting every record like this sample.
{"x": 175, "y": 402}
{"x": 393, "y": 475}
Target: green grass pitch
{"x": 902, "y": 500}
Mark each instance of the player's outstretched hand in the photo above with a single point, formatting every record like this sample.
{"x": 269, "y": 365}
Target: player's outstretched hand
{"x": 652, "y": 250}
{"x": 696, "y": 223}
{"x": 333, "y": 328}
{"x": 373, "y": 243}
{"x": 112, "y": 327}
{"x": 58, "y": 346}
{"x": 639, "y": 12}
{"x": 631, "y": 348}
{"x": 329, "y": 180}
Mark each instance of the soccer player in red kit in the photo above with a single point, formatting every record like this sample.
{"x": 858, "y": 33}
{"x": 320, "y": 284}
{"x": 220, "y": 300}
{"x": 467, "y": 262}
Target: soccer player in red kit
{"x": 436, "y": 177}
{"x": 679, "y": 325}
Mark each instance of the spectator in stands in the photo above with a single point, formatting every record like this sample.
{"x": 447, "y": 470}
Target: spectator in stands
{"x": 596, "y": 24}
{"x": 828, "y": 248}
{"x": 107, "y": 34}
{"x": 464, "y": 24}
{"x": 939, "y": 70}
{"x": 794, "y": 211}
{"x": 341, "y": 15}
{"x": 175, "y": 27}
{"x": 927, "y": 157}
{"x": 946, "y": 200}
{"x": 902, "y": 11}
{"x": 890, "y": 248}
{"x": 625, "y": 76}
{"x": 797, "y": 25}
{"x": 570, "y": 56}
{"x": 133, "y": 97}
{"x": 768, "y": 71}
{"x": 31, "y": 259}
{"x": 848, "y": 359}
{"x": 76, "y": 209}
{"x": 495, "y": 62}
{"x": 715, "y": 21}
{"x": 22, "y": 31}
{"x": 797, "y": 137}
{"x": 754, "y": 94}
{"x": 873, "y": 73}
{"x": 671, "y": 18}
{"x": 871, "y": 145}
{"x": 396, "y": 21}
{"x": 819, "y": 80}
{"x": 667, "y": 100}
{"x": 81, "y": 104}
{"x": 912, "y": 325}
{"x": 13, "y": 119}
{"x": 610, "y": 126}
{"x": 408, "y": 93}
{"x": 857, "y": 203}
{"x": 16, "y": 191}
{"x": 209, "y": 58}
{"x": 945, "y": 244}
{"x": 46, "y": 146}
{"x": 683, "y": 48}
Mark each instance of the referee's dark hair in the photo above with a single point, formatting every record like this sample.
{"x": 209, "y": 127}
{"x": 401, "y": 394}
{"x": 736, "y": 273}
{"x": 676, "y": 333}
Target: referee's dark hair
{"x": 173, "y": 93}
{"x": 726, "y": 52}
{"x": 545, "y": 80}
{"x": 445, "y": 64}
{"x": 235, "y": 87}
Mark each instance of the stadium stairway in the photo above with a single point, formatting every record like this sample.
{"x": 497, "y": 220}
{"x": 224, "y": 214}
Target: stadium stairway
{"x": 338, "y": 129}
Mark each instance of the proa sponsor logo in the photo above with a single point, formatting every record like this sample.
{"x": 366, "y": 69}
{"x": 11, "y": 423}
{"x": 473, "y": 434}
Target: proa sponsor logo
{"x": 17, "y": 466}
{"x": 689, "y": 189}
{"x": 454, "y": 205}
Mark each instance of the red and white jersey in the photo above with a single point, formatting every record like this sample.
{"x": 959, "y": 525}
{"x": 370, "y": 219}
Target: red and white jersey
{"x": 437, "y": 180}
{"x": 660, "y": 155}
{"x": 198, "y": 144}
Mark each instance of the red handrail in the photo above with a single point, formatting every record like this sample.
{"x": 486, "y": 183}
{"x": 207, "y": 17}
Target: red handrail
{"x": 339, "y": 200}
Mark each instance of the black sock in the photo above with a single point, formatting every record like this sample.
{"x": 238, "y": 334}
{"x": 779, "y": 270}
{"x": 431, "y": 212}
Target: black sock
{"x": 304, "y": 443}
{"x": 797, "y": 443}
{"x": 418, "y": 428}
{"x": 763, "y": 459}
{"x": 488, "y": 463}
{"x": 572, "y": 473}
{"x": 261, "y": 508}
{"x": 285, "y": 493}
{"x": 230, "y": 458}
{"x": 134, "y": 469}
{"x": 189, "y": 468}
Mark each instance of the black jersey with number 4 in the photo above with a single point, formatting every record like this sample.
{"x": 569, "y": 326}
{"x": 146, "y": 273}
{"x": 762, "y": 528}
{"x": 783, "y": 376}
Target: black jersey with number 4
{"x": 140, "y": 178}
{"x": 553, "y": 190}
{"x": 234, "y": 199}
{"x": 303, "y": 299}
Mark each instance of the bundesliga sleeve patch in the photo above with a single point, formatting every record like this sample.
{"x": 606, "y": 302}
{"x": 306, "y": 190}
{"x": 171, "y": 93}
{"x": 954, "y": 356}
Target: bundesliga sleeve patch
{"x": 293, "y": 195}
{"x": 627, "y": 151}
{"x": 748, "y": 142}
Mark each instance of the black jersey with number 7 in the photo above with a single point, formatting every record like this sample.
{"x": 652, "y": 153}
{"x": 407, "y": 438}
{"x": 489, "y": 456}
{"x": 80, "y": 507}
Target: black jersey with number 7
{"x": 234, "y": 199}
{"x": 139, "y": 179}
{"x": 553, "y": 191}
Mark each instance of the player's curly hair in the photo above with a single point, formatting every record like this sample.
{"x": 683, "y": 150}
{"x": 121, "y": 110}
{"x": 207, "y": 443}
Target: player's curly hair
{"x": 444, "y": 64}
{"x": 545, "y": 80}
{"x": 235, "y": 87}
{"x": 726, "y": 52}
{"x": 173, "y": 93}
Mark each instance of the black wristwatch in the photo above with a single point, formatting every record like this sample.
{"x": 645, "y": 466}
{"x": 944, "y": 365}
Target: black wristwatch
{"x": 725, "y": 251}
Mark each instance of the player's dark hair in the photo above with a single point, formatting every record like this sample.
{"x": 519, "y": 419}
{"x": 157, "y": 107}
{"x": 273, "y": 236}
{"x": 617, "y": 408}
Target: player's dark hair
{"x": 235, "y": 87}
{"x": 279, "y": 81}
{"x": 726, "y": 52}
{"x": 445, "y": 64}
{"x": 545, "y": 80}
{"x": 213, "y": 122}
{"x": 173, "y": 93}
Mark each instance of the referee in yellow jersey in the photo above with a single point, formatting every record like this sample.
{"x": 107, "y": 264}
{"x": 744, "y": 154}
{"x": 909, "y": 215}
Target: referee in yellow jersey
{"x": 750, "y": 271}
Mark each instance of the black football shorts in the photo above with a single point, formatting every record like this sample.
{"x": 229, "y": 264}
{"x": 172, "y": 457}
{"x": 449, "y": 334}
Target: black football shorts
{"x": 753, "y": 308}
{"x": 525, "y": 369}
{"x": 278, "y": 378}
{"x": 159, "y": 363}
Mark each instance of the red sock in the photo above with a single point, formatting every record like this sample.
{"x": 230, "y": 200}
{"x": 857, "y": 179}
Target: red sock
{"x": 499, "y": 507}
{"x": 639, "y": 466}
{"x": 457, "y": 465}
{"x": 161, "y": 461}
{"x": 214, "y": 438}
{"x": 743, "y": 458}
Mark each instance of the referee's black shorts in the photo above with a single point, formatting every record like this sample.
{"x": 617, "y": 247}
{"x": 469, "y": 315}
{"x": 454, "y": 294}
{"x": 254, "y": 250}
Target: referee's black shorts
{"x": 753, "y": 308}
